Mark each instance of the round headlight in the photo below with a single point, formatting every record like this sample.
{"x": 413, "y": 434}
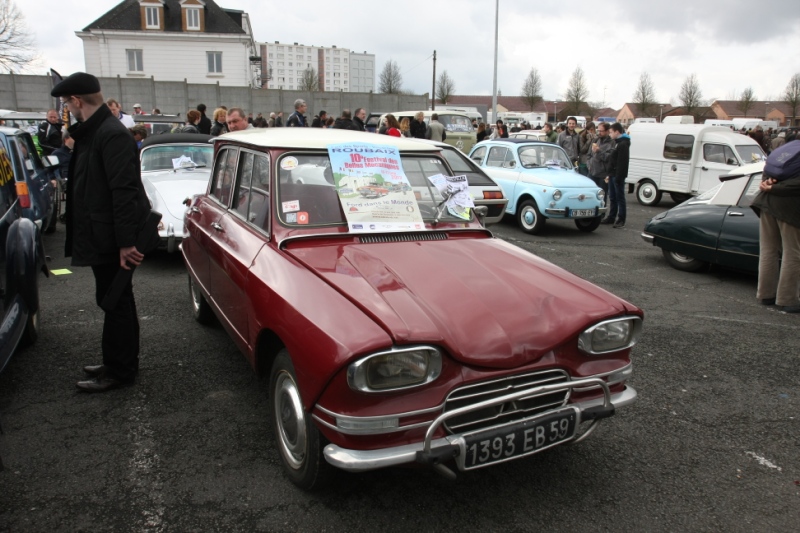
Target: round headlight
{"x": 610, "y": 335}
{"x": 396, "y": 369}
{"x": 556, "y": 195}
{"x": 601, "y": 194}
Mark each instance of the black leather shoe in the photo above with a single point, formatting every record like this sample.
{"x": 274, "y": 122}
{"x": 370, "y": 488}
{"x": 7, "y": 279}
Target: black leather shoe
{"x": 94, "y": 370}
{"x": 619, "y": 224}
{"x": 102, "y": 384}
{"x": 607, "y": 221}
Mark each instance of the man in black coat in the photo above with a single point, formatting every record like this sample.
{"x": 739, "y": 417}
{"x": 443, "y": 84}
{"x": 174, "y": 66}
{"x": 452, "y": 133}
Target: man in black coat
{"x": 359, "y": 119}
{"x": 617, "y": 172}
{"x": 106, "y": 209}
{"x": 204, "y": 126}
{"x": 49, "y": 133}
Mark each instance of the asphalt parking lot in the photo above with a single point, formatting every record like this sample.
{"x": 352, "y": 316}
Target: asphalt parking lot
{"x": 712, "y": 444}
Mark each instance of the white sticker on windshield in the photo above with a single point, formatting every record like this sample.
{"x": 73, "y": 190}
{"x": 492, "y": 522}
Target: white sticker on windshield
{"x": 291, "y": 205}
{"x": 289, "y": 163}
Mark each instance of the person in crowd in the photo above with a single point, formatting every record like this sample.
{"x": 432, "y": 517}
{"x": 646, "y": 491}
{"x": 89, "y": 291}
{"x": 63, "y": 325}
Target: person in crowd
{"x": 156, "y": 111}
{"x": 481, "y": 135}
{"x": 192, "y": 119}
{"x": 250, "y": 119}
{"x": 137, "y": 109}
{"x": 49, "y": 133}
{"x": 382, "y": 127}
{"x": 570, "y": 141}
{"x": 757, "y": 134}
{"x": 106, "y": 210}
{"x": 236, "y": 120}
{"x": 515, "y": 128}
{"x": 64, "y": 154}
{"x": 344, "y": 122}
{"x": 260, "y": 121}
{"x": 618, "y": 171}
{"x": 418, "y": 128}
{"x": 779, "y": 243}
{"x": 220, "y": 118}
{"x": 500, "y": 131}
{"x": 360, "y": 119}
{"x": 279, "y": 119}
{"x": 319, "y": 120}
{"x": 777, "y": 142}
{"x": 271, "y": 121}
{"x": 587, "y": 137}
{"x": 392, "y": 126}
{"x": 116, "y": 110}
{"x": 405, "y": 127}
{"x": 298, "y": 119}
{"x": 204, "y": 125}
{"x": 559, "y": 130}
{"x": 436, "y": 131}
{"x": 599, "y": 156}
{"x": 551, "y": 136}
{"x": 139, "y": 133}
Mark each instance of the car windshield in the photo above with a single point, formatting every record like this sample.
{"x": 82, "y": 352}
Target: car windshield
{"x": 750, "y": 153}
{"x": 168, "y": 156}
{"x": 456, "y": 123}
{"x": 462, "y": 165}
{"x": 543, "y": 155}
{"x": 306, "y": 186}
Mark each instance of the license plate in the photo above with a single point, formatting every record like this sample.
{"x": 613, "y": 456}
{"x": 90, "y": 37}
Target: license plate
{"x": 504, "y": 443}
{"x": 582, "y": 213}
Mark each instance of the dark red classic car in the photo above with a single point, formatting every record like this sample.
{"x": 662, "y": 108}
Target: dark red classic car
{"x": 394, "y": 330}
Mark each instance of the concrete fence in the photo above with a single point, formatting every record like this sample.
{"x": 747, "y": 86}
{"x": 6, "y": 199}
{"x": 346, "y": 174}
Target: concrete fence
{"x": 32, "y": 93}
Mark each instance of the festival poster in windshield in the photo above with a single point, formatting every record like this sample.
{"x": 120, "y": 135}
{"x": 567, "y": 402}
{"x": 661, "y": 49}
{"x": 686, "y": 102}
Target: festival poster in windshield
{"x": 375, "y": 193}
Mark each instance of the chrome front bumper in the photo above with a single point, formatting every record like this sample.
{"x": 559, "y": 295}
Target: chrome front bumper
{"x": 363, "y": 460}
{"x": 646, "y": 237}
{"x": 563, "y": 212}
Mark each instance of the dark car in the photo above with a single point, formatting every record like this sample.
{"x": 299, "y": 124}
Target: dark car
{"x": 21, "y": 260}
{"x": 36, "y": 178}
{"x": 717, "y": 227}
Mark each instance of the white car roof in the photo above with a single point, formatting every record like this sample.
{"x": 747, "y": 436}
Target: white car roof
{"x": 319, "y": 138}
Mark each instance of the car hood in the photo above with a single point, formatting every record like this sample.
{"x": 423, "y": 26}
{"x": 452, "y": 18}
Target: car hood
{"x": 556, "y": 177}
{"x": 488, "y": 303}
{"x": 169, "y": 190}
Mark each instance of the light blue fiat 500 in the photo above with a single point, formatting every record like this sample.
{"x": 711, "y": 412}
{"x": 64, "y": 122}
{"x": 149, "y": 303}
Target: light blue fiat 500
{"x": 540, "y": 182}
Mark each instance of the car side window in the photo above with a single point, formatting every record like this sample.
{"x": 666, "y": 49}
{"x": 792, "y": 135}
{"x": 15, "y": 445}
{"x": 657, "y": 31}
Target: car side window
{"x": 478, "y": 154}
{"x": 497, "y": 154}
{"x": 751, "y": 191}
{"x": 224, "y": 170}
{"x": 258, "y": 212}
{"x": 678, "y": 147}
{"x": 241, "y": 201}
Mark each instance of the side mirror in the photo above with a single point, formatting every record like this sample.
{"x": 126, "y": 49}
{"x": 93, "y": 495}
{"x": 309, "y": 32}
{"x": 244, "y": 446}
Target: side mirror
{"x": 53, "y": 160}
{"x": 733, "y": 162}
{"x": 29, "y": 165}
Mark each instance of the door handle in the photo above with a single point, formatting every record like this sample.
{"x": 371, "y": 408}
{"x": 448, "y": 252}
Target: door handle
{"x": 735, "y": 214}
{"x": 216, "y": 226}
{"x": 704, "y": 168}
{"x": 194, "y": 209}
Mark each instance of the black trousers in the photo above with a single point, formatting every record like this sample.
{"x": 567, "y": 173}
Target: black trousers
{"x": 120, "y": 342}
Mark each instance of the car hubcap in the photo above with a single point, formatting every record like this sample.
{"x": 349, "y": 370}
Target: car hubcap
{"x": 682, "y": 258}
{"x": 647, "y": 192}
{"x": 291, "y": 420}
{"x": 529, "y": 217}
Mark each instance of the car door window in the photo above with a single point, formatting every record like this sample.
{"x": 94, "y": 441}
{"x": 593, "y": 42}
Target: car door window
{"x": 258, "y": 212}
{"x": 719, "y": 153}
{"x": 241, "y": 201}
{"x": 497, "y": 154}
{"x": 478, "y": 154}
{"x": 223, "y": 175}
{"x": 751, "y": 191}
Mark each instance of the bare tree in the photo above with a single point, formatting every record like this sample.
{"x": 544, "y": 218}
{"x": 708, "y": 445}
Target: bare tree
{"x": 645, "y": 96}
{"x": 791, "y": 96}
{"x": 309, "y": 81}
{"x": 445, "y": 87}
{"x": 532, "y": 89}
{"x": 746, "y": 101}
{"x": 390, "y": 81}
{"x": 577, "y": 93}
{"x": 16, "y": 43}
{"x": 690, "y": 95}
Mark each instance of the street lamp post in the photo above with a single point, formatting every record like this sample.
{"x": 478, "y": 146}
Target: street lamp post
{"x": 555, "y": 111}
{"x": 661, "y": 113}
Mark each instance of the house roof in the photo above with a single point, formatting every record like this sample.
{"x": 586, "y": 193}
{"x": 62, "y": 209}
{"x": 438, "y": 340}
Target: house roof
{"x": 758, "y": 109}
{"x": 126, "y": 16}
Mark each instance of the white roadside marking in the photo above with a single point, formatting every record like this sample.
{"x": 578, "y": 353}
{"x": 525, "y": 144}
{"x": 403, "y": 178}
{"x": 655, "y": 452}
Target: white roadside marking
{"x": 764, "y": 462}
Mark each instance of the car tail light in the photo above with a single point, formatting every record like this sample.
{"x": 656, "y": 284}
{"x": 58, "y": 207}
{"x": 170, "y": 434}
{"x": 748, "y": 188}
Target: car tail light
{"x": 23, "y": 195}
{"x": 492, "y": 195}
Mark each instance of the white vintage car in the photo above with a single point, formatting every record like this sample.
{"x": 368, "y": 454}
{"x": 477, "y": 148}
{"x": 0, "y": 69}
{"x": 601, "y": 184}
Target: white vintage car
{"x": 175, "y": 166}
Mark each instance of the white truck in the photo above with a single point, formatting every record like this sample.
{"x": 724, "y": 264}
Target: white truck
{"x": 684, "y": 159}
{"x": 536, "y": 120}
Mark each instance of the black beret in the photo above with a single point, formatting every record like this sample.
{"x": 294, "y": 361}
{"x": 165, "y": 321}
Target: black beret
{"x": 78, "y": 83}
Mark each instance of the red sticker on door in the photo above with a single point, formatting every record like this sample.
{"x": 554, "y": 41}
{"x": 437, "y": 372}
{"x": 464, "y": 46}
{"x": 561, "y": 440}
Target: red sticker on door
{"x": 302, "y": 217}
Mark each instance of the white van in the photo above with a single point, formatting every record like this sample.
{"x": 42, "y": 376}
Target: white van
{"x": 645, "y": 120}
{"x": 684, "y": 159}
{"x": 458, "y": 126}
{"x": 536, "y": 120}
{"x": 718, "y": 122}
{"x": 678, "y": 119}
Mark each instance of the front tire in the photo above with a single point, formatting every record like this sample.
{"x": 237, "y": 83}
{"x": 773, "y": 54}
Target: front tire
{"x": 683, "y": 262}
{"x": 530, "y": 220}
{"x": 588, "y": 224}
{"x": 297, "y": 438}
{"x": 647, "y": 193}
{"x": 200, "y": 309}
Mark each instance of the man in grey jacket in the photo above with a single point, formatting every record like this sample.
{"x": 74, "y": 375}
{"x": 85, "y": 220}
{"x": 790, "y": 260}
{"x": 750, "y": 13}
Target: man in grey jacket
{"x": 600, "y": 156}
{"x": 436, "y": 131}
{"x": 570, "y": 141}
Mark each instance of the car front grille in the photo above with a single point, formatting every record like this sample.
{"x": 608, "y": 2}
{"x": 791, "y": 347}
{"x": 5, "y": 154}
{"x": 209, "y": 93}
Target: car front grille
{"x": 404, "y": 237}
{"x": 506, "y": 412}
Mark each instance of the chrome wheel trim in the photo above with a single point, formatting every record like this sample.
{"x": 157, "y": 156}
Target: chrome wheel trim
{"x": 290, "y": 420}
{"x": 681, "y": 258}
{"x": 647, "y": 193}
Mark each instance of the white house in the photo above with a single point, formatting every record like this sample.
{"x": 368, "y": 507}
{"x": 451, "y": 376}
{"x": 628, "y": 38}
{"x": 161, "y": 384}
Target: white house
{"x": 172, "y": 40}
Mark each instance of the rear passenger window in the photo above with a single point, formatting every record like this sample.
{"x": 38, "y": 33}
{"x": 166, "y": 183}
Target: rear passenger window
{"x": 678, "y": 147}
{"x": 224, "y": 171}
{"x": 497, "y": 155}
{"x": 258, "y": 213}
{"x": 478, "y": 154}
{"x": 241, "y": 201}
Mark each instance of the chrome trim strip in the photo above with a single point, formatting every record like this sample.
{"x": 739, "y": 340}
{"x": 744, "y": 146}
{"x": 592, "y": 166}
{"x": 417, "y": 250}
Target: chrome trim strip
{"x": 363, "y": 460}
{"x": 650, "y": 239}
{"x": 354, "y": 236}
{"x": 553, "y": 211}
{"x": 381, "y": 431}
{"x": 382, "y": 417}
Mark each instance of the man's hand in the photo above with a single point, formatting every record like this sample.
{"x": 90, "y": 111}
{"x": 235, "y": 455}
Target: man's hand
{"x": 130, "y": 255}
{"x": 767, "y": 184}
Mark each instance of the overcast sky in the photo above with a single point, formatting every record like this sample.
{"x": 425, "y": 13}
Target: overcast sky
{"x": 729, "y": 44}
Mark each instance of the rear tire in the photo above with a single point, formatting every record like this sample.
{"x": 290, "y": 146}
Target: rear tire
{"x": 647, "y": 193}
{"x": 679, "y": 197}
{"x": 298, "y": 440}
{"x": 530, "y": 220}
{"x": 588, "y": 224}
{"x": 31, "y": 332}
{"x": 200, "y": 309}
{"x": 683, "y": 262}
{"x": 51, "y": 224}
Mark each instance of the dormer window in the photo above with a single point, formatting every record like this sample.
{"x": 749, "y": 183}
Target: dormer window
{"x": 193, "y": 19}
{"x": 152, "y": 18}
